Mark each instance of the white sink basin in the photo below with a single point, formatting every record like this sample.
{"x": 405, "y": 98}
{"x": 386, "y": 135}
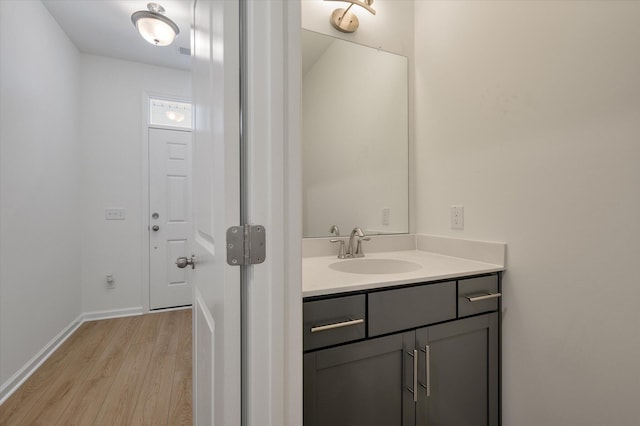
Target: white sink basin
{"x": 375, "y": 266}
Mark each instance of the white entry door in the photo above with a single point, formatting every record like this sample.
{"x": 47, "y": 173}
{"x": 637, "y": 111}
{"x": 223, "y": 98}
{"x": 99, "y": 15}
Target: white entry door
{"x": 216, "y": 195}
{"x": 170, "y": 220}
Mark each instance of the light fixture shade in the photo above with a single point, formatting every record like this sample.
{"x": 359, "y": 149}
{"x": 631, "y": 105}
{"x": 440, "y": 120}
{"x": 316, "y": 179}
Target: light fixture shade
{"x": 157, "y": 29}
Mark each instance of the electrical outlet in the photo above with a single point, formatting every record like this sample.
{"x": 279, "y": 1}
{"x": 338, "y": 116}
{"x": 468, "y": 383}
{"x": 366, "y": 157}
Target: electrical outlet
{"x": 114, "y": 214}
{"x": 110, "y": 281}
{"x": 386, "y": 216}
{"x": 457, "y": 217}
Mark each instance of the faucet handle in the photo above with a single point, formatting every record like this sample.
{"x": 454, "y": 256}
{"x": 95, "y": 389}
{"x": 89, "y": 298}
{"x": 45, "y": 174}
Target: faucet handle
{"x": 359, "y": 252}
{"x": 342, "y": 252}
{"x": 335, "y": 229}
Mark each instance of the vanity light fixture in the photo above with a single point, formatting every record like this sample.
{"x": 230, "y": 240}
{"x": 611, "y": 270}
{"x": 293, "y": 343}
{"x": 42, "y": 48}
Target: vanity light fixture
{"x": 345, "y": 21}
{"x": 154, "y": 27}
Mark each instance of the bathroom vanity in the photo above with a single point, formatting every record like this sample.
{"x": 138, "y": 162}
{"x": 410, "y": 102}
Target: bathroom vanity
{"x": 419, "y": 347}
{"x": 406, "y": 331}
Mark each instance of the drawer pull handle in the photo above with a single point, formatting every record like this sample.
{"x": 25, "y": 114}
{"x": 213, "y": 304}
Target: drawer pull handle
{"x": 336, "y": 325}
{"x": 486, "y": 296}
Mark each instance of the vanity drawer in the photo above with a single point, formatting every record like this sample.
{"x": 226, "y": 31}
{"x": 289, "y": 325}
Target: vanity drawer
{"x": 410, "y": 307}
{"x": 477, "y": 295}
{"x": 332, "y": 321}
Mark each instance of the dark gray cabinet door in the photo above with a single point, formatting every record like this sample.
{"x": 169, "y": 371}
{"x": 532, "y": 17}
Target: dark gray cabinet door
{"x": 361, "y": 384}
{"x": 462, "y": 361}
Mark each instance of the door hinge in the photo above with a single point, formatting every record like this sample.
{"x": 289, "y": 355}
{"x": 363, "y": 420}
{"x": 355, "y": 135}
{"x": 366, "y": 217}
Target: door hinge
{"x": 246, "y": 245}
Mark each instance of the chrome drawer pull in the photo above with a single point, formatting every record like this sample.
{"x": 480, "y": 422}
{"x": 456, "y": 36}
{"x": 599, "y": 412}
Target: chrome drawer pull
{"x": 415, "y": 375}
{"x": 336, "y": 325}
{"x": 414, "y": 390}
{"x": 485, "y": 296}
{"x": 427, "y": 369}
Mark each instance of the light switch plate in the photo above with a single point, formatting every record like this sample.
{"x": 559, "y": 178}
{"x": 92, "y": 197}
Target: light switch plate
{"x": 114, "y": 214}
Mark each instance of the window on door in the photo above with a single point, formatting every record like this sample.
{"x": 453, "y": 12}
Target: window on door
{"x": 165, "y": 112}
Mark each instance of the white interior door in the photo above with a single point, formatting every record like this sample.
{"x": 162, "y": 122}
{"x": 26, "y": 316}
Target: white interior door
{"x": 170, "y": 222}
{"x": 216, "y": 195}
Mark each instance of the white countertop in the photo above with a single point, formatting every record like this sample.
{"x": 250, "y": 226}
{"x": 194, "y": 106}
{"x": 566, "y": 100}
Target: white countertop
{"x": 319, "y": 279}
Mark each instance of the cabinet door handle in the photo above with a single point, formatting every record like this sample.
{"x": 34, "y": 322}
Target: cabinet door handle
{"x": 484, "y": 296}
{"x": 414, "y": 390}
{"x": 427, "y": 369}
{"x": 336, "y": 325}
{"x": 415, "y": 375}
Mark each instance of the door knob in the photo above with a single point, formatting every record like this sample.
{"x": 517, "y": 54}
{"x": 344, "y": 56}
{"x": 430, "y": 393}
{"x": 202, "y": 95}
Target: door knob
{"x": 155, "y": 227}
{"x": 182, "y": 262}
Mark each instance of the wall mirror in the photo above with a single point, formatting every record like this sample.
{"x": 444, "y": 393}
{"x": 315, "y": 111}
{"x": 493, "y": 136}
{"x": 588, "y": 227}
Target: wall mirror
{"x": 354, "y": 137}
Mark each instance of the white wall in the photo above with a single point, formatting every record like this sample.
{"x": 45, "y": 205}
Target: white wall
{"x": 111, "y": 136}
{"x": 528, "y": 114}
{"x": 39, "y": 183}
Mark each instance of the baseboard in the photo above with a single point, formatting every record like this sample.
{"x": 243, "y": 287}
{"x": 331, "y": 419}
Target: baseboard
{"x": 15, "y": 381}
{"x": 113, "y": 313}
{"x": 175, "y": 308}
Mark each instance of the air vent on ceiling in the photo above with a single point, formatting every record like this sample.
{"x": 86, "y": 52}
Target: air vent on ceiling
{"x": 184, "y": 51}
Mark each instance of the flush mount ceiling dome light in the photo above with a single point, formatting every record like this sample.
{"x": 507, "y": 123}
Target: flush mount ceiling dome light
{"x": 154, "y": 27}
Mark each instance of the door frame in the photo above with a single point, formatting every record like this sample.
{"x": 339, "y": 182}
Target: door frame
{"x": 273, "y": 317}
{"x": 145, "y": 223}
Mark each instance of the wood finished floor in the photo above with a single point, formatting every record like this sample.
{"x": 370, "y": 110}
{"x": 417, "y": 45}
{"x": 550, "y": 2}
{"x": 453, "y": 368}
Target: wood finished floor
{"x": 123, "y": 371}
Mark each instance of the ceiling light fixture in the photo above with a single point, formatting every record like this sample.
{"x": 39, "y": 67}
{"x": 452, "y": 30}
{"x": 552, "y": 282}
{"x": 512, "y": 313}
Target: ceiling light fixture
{"x": 154, "y": 27}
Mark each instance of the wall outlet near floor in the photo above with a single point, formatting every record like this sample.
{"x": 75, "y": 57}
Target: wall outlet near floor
{"x": 457, "y": 217}
{"x": 114, "y": 214}
{"x": 110, "y": 281}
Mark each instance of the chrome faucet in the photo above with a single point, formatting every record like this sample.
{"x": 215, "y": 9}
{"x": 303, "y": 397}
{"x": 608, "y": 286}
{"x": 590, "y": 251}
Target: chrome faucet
{"x": 355, "y": 249}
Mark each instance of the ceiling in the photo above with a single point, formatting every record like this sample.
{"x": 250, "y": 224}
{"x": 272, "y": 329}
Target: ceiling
{"x": 104, "y": 27}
